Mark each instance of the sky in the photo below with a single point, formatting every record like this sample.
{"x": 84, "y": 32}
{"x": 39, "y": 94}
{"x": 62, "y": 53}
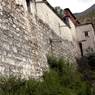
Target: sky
{"x": 75, "y": 6}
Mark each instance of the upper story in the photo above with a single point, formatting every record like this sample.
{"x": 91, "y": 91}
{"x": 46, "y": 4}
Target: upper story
{"x": 43, "y": 10}
{"x": 69, "y": 14}
{"x": 85, "y": 32}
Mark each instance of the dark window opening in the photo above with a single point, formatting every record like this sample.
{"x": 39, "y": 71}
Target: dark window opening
{"x": 28, "y": 4}
{"x": 81, "y": 49}
{"x": 65, "y": 19}
{"x": 86, "y": 34}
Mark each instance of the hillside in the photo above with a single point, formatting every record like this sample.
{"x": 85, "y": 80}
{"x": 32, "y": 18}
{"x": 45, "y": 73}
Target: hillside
{"x": 87, "y": 16}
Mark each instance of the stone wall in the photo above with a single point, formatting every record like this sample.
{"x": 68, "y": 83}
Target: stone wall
{"x": 18, "y": 41}
{"x": 25, "y": 42}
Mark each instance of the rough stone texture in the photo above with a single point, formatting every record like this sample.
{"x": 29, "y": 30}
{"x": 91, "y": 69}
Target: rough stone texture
{"x": 25, "y": 42}
{"x": 17, "y": 43}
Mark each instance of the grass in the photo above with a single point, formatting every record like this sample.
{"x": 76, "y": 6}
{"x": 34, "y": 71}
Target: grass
{"x": 62, "y": 79}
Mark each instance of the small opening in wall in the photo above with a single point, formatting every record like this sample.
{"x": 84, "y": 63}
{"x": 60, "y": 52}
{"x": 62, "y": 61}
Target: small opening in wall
{"x": 66, "y": 20}
{"x": 81, "y": 48}
{"x": 28, "y": 2}
{"x": 86, "y": 34}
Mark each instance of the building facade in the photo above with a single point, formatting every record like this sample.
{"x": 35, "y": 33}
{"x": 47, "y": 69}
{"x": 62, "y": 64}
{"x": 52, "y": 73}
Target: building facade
{"x": 30, "y": 30}
{"x": 84, "y": 32}
{"x": 86, "y": 38}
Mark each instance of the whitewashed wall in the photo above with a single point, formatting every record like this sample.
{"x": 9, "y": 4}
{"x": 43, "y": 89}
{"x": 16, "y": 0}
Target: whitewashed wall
{"x": 24, "y": 43}
{"x": 87, "y": 42}
{"x": 49, "y": 17}
{"x": 44, "y": 12}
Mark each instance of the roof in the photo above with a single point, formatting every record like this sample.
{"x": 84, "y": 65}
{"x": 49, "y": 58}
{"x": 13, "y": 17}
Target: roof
{"x": 85, "y": 24}
{"x": 61, "y": 18}
{"x": 48, "y": 4}
{"x": 67, "y": 9}
{"x": 70, "y": 12}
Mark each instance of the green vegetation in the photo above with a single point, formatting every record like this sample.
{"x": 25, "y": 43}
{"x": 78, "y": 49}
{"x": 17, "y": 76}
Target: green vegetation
{"x": 62, "y": 79}
{"x": 59, "y": 11}
{"x": 91, "y": 60}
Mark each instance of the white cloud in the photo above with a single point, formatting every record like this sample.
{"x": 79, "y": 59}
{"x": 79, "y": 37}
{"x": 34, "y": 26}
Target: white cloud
{"x": 74, "y": 5}
{"x": 86, "y": 1}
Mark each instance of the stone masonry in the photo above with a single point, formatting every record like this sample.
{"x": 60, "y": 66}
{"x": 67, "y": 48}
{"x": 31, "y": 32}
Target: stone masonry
{"x": 26, "y": 41}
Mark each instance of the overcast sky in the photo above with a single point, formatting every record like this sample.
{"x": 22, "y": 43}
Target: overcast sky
{"x": 74, "y": 5}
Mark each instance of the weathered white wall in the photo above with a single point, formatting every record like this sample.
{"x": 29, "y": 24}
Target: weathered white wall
{"x": 49, "y": 17}
{"x": 25, "y": 41}
{"x": 87, "y": 42}
{"x": 44, "y": 12}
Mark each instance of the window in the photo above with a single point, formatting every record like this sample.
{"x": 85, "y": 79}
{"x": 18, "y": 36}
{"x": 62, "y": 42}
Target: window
{"x": 66, "y": 20}
{"x": 86, "y": 34}
{"x": 81, "y": 48}
{"x": 28, "y": 2}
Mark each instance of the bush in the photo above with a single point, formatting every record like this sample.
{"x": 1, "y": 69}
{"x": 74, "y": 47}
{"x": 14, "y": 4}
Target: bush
{"x": 62, "y": 79}
{"x": 91, "y": 60}
{"x": 70, "y": 78}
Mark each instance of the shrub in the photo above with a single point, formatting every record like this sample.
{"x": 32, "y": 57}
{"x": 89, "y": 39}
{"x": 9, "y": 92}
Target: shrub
{"x": 91, "y": 60}
{"x": 62, "y": 79}
{"x": 70, "y": 78}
